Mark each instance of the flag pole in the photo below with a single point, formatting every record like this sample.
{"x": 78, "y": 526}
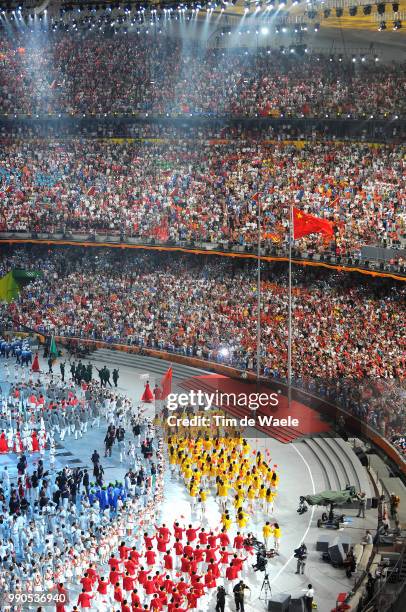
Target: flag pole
{"x": 290, "y": 305}
{"x": 259, "y": 292}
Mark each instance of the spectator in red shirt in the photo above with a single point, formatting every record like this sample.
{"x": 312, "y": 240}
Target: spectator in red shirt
{"x": 150, "y": 589}
{"x": 211, "y": 553}
{"x": 182, "y": 586}
{"x": 87, "y": 583}
{"x": 113, "y": 561}
{"x": 194, "y": 579}
{"x": 158, "y": 579}
{"x": 203, "y": 537}
{"x": 192, "y": 599}
{"x": 185, "y": 565}
{"x": 162, "y": 544}
{"x": 212, "y": 539}
{"x": 214, "y": 569}
{"x": 209, "y": 580}
{"x": 231, "y": 572}
{"x": 150, "y": 556}
{"x": 198, "y": 555}
{"x": 188, "y": 550}
{"x": 125, "y": 607}
{"x": 118, "y": 593}
{"x": 168, "y": 561}
{"x": 91, "y": 572}
{"x": 238, "y": 541}
{"x": 178, "y": 531}
{"x": 114, "y": 576}
{"x": 134, "y": 555}
{"x": 224, "y": 556}
{"x": 84, "y": 599}
{"x": 123, "y": 551}
{"x": 156, "y": 603}
{"x": 135, "y": 598}
{"x": 191, "y": 533}
{"x": 163, "y": 596}
{"x": 238, "y": 563}
{"x": 168, "y": 584}
{"x": 148, "y": 540}
{"x": 178, "y": 546}
{"x": 224, "y": 539}
{"x": 130, "y": 566}
{"x": 163, "y": 531}
{"x": 128, "y": 582}
{"x": 60, "y": 605}
{"x": 102, "y": 586}
{"x": 199, "y": 587}
{"x": 142, "y": 575}
{"x": 193, "y": 565}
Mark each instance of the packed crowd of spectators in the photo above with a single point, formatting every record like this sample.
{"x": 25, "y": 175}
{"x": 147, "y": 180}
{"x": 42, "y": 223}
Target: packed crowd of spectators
{"x": 162, "y": 301}
{"x": 348, "y": 332}
{"x": 180, "y": 188}
{"x": 74, "y": 73}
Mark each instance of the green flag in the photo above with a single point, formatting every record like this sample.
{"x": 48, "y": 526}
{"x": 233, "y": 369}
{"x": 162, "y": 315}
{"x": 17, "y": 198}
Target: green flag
{"x": 53, "y": 351}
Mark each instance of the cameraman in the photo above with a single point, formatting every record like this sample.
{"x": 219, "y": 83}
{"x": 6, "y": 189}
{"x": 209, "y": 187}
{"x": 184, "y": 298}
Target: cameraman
{"x": 302, "y": 505}
{"x": 261, "y": 561}
{"x": 301, "y": 556}
{"x": 238, "y": 591}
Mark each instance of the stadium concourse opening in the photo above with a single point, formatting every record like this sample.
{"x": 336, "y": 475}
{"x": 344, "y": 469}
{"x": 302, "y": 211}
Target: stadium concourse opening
{"x": 202, "y": 306}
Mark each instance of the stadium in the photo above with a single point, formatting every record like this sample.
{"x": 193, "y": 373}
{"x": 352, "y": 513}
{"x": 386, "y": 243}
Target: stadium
{"x": 202, "y": 306}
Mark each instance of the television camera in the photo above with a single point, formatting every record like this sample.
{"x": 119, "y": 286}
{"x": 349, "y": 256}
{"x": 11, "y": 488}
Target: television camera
{"x": 332, "y": 499}
{"x": 262, "y": 553}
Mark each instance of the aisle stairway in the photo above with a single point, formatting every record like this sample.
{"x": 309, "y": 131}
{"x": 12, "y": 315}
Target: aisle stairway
{"x": 142, "y": 364}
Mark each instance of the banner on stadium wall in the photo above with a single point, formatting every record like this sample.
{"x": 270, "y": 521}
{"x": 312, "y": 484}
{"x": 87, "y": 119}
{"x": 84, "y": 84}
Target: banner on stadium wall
{"x": 130, "y": 140}
{"x": 218, "y": 141}
{"x": 299, "y": 144}
{"x": 164, "y": 165}
{"x": 25, "y": 276}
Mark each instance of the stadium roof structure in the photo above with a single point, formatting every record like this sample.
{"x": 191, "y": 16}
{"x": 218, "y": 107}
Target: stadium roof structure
{"x": 343, "y": 14}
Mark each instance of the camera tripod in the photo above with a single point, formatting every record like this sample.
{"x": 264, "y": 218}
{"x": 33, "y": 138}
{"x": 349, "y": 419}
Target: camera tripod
{"x": 266, "y": 591}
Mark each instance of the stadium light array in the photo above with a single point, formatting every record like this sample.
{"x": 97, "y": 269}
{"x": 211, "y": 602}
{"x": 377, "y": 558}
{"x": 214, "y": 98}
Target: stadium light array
{"x": 128, "y": 16}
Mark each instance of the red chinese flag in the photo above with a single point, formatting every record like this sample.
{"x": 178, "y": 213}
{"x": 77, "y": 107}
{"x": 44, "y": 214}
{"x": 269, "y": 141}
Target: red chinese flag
{"x": 166, "y": 383}
{"x": 255, "y": 197}
{"x": 305, "y": 224}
